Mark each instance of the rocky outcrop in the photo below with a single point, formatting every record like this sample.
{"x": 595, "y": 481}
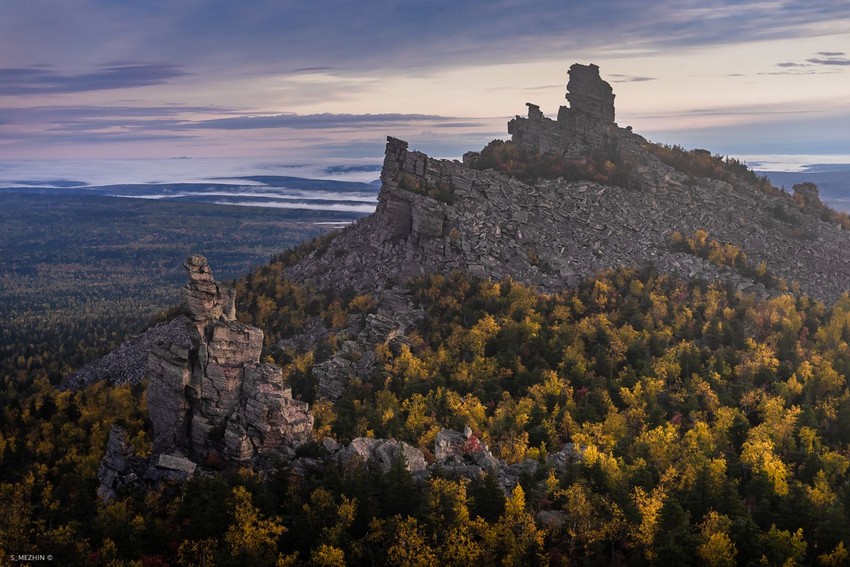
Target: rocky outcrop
{"x": 205, "y": 299}
{"x": 588, "y": 94}
{"x": 808, "y": 195}
{"x": 554, "y": 234}
{"x": 384, "y": 452}
{"x": 466, "y": 455}
{"x": 120, "y": 470}
{"x": 210, "y": 400}
{"x": 209, "y": 396}
{"x": 268, "y": 422}
{"x": 172, "y": 467}
{"x": 587, "y": 127}
{"x": 356, "y": 358}
{"x": 455, "y": 453}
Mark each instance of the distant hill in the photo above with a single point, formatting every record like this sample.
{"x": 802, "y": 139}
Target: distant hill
{"x": 304, "y": 183}
{"x": 263, "y": 191}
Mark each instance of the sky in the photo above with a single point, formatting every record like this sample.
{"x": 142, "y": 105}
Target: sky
{"x": 295, "y": 80}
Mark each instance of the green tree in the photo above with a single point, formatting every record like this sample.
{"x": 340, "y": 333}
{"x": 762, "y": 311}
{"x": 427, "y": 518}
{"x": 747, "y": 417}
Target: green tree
{"x": 515, "y": 539}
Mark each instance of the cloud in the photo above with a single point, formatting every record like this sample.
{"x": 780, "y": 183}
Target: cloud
{"x": 344, "y": 37}
{"x": 742, "y": 110}
{"x": 841, "y": 61}
{"x": 816, "y": 127}
{"x": 827, "y": 58}
{"x": 190, "y": 124}
{"x": 629, "y": 78}
{"x": 314, "y": 121}
{"x": 70, "y": 138}
{"x": 535, "y": 88}
{"x": 40, "y": 80}
{"x": 275, "y": 55}
{"x": 78, "y": 113}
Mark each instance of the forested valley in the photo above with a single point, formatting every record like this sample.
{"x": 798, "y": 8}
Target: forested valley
{"x": 80, "y": 273}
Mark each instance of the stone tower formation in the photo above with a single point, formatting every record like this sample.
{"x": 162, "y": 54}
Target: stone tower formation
{"x": 209, "y": 395}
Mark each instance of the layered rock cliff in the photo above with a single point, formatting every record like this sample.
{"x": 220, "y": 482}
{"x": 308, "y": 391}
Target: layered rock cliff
{"x": 210, "y": 399}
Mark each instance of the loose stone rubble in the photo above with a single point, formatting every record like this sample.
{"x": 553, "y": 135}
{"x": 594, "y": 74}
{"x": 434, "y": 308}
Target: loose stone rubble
{"x": 128, "y": 363}
{"x": 356, "y": 358}
{"x": 384, "y": 452}
{"x": 455, "y": 453}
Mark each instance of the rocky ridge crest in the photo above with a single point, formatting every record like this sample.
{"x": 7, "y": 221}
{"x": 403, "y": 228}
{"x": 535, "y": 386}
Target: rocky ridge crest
{"x": 554, "y": 233}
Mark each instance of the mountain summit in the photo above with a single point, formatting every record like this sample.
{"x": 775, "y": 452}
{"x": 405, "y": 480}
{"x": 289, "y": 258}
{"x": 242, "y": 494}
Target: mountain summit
{"x": 567, "y": 198}
{"x": 561, "y": 201}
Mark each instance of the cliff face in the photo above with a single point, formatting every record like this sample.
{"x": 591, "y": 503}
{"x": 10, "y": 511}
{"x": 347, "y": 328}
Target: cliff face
{"x": 209, "y": 395}
{"x": 554, "y": 233}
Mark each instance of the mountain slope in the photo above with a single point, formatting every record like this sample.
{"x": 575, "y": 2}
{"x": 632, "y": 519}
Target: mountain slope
{"x": 635, "y": 419}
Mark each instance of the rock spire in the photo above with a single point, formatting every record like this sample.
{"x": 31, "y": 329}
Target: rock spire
{"x": 588, "y": 94}
{"x": 209, "y": 396}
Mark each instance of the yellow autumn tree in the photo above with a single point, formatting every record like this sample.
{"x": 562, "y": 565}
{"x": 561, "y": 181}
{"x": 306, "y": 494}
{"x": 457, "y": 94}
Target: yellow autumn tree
{"x": 252, "y": 538}
{"x": 410, "y": 547}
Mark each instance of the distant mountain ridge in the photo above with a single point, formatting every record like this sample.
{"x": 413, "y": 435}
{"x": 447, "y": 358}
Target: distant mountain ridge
{"x": 263, "y": 190}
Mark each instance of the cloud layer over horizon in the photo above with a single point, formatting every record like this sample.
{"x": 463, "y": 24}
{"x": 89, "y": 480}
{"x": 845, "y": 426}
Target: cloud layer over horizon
{"x": 216, "y": 78}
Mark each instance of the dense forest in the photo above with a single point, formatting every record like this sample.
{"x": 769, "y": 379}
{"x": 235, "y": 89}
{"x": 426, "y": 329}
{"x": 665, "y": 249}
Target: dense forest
{"x": 709, "y": 427}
